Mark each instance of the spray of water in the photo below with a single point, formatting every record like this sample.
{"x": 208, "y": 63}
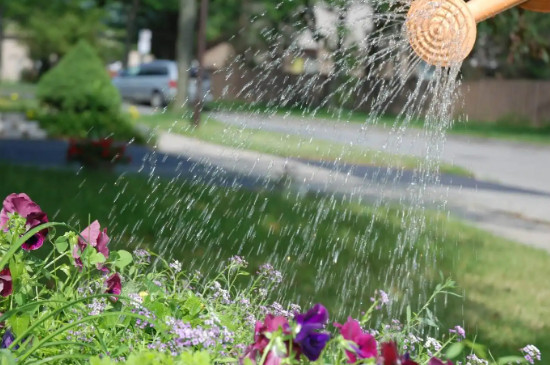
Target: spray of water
{"x": 338, "y": 231}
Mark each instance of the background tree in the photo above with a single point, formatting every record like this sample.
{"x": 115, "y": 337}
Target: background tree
{"x": 184, "y": 48}
{"x": 514, "y": 44}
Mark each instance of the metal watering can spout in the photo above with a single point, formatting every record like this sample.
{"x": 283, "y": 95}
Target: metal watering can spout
{"x": 443, "y": 32}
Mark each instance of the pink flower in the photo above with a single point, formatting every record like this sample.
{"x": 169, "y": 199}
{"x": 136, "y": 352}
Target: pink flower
{"x": 365, "y": 344}
{"x": 26, "y": 208}
{"x": 94, "y": 237}
{"x": 6, "y": 284}
{"x": 114, "y": 286}
{"x": 271, "y": 324}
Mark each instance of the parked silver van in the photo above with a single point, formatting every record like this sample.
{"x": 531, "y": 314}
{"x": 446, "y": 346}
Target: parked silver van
{"x": 156, "y": 83}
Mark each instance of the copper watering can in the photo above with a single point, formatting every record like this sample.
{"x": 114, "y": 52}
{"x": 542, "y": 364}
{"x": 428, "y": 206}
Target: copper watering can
{"x": 443, "y": 32}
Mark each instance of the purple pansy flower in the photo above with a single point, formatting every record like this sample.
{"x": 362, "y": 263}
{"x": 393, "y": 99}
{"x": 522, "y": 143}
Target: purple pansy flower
{"x": 114, "y": 285}
{"x": 26, "y": 208}
{"x": 95, "y": 237}
{"x": 365, "y": 344}
{"x": 311, "y": 341}
{"x": 7, "y": 339}
{"x": 6, "y": 284}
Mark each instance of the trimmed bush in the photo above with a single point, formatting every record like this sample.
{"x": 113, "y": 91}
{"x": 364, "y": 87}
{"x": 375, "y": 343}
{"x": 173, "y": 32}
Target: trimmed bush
{"x": 79, "y": 100}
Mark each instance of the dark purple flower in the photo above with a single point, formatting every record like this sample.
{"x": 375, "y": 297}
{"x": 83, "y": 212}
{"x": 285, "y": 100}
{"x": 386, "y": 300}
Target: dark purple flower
{"x": 26, "y": 208}
{"x": 7, "y": 339}
{"x": 6, "y": 284}
{"x": 311, "y": 341}
{"x": 365, "y": 344}
{"x": 95, "y": 237}
{"x": 114, "y": 285}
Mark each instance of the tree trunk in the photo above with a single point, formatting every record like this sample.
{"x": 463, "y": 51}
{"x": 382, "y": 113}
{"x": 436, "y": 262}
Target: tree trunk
{"x": 130, "y": 30}
{"x": 338, "y": 60}
{"x": 1, "y": 35}
{"x": 184, "y": 49}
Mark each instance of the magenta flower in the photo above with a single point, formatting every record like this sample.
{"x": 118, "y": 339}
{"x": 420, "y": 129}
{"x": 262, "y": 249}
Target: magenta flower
{"x": 26, "y": 208}
{"x": 311, "y": 341}
{"x": 114, "y": 286}
{"x": 390, "y": 355}
{"x": 436, "y": 361}
{"x": 271, "y": 324}
{"x": 95, "y": 237}
{"x": 6, "y": 284}
{"x": 365, "y": 344}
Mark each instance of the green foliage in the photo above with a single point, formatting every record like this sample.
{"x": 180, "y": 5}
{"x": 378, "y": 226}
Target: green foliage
{"x": 79, "y": 83}
{"x": 519, "y": 41}
{"x": 89, "y": 124}
{"x": 70, "y": 311}
{"x": 155, "y": 358}
{"x": 79, "y": 99}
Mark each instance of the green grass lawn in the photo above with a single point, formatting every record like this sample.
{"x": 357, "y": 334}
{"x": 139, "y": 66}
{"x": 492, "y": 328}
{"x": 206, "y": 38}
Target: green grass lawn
{"x": 325, "y": 244}
{"x": 503, "y": 129}
{"x": 285, "y": 145}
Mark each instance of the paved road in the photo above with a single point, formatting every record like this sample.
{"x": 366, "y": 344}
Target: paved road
{"x": 518, "y": 164}
{"x": 511, "y": 193}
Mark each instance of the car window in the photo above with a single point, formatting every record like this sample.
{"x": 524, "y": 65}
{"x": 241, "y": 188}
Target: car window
{"x": 153, "y": 70}
{"x": 128, "y": 72}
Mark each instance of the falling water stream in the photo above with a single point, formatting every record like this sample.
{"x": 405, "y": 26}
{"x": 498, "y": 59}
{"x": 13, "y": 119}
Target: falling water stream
{"x": 336, "y": 235}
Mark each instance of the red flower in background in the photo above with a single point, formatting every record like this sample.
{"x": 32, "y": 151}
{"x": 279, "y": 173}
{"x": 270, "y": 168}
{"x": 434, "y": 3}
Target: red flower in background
{"x": 93, "y": 153}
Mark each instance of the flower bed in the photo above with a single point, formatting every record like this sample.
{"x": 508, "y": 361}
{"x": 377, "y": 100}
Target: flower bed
{"x": 68, "y": 299}
{"x": 100, "y": 153}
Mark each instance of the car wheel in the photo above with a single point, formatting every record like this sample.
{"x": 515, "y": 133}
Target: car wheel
{"x": 157, "y": 100}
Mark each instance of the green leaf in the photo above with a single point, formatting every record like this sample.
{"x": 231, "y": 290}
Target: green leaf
{"x": 61, "y": 244}
{"x": 17, "y": 268}
{"x": 479, "y": 350}
{"x": 124, "y": 258}
{"x": 194, "y": 305}
{"x": 19, "y": 298}
{"x": 454, "y": 350}
{"x": 97, "y": 258}
{"x": 195, "y": 358}
{"x": 226, "y": 360}
{"x": 247, "y": 361}
{"x": 19, "y": 324}
{"x": 511, "y": 360}
{"x": 6, "y": 357}
{"x": 160, "y": 310}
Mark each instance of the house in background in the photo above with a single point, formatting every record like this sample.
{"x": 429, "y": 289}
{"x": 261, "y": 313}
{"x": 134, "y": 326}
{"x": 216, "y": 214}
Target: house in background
{"x": 314, "y": 51}
{"x": 15, "y": 58}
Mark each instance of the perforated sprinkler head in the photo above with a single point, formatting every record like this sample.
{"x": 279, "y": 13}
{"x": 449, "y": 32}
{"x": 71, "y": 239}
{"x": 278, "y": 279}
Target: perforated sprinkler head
{"x": 443, "y": 32}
